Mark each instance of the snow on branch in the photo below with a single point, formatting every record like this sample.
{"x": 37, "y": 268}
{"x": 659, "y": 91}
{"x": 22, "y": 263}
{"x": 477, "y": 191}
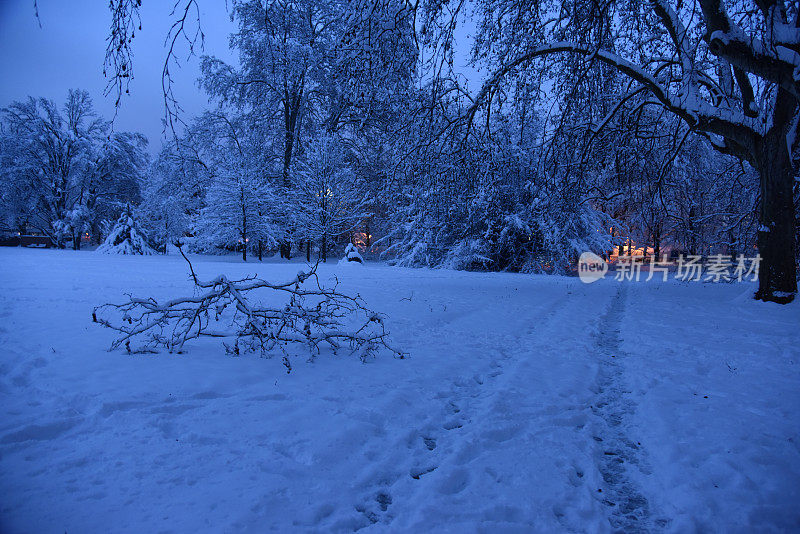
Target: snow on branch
{"x": 313, "y": 315}
{"x": 626, "y": 67}
{"x": 775, "y": 61}
{"x": 696, "y": 113}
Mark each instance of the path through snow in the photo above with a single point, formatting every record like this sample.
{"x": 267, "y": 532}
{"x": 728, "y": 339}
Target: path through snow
{"x": 616, "y": 452}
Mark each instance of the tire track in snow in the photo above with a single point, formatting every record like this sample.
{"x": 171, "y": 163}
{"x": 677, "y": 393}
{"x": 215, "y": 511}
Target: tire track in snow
{"x": 617, "y": 454}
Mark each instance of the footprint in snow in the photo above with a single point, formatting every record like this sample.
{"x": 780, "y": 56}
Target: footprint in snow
{"x": 455, "y": 482}
{"x": 451, "y": 425}
{"x": 383, "y": 500}
{"x": 417, "y": 472}
{"x": 374, "y": 508}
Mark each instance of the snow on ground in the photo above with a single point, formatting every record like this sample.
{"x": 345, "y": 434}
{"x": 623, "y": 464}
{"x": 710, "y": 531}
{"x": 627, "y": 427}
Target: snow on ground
{"x": 529, "y": 403}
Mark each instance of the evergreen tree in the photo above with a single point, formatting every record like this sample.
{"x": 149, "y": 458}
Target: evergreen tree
{"x": 126, "y": 237}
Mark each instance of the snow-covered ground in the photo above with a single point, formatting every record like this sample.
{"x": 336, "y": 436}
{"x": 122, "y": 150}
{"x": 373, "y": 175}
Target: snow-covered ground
{"x": 528, "y": 403}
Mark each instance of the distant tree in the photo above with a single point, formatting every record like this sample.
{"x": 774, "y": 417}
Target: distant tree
{"x": 239, "y": 212}
{"x": 311, "y": 65}
{"x": 17, "y": 198}
{"x": 112, "y": 176}
{"x": 64, "y": 169}
{"x": 167, "y": 201}
{"x": 329, "y": 201}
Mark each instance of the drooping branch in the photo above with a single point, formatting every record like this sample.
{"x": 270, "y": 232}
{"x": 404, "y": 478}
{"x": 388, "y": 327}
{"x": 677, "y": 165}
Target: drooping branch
{"x": 194, "y": 39}
{"x": 626, "y": 67}
{"x": 697, "y": 114}
{"x": 312, "y": 316}
{"x": 118, "y": 64}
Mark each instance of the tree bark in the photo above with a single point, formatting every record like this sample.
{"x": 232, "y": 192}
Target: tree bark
{"x": 244, "y": 226}
{"x": 291, "y": 112}
{"x": 777, "y": 275}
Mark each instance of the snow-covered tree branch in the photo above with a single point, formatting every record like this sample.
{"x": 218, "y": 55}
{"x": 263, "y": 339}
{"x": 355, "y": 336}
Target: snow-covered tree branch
{"x": 311, "y": 316}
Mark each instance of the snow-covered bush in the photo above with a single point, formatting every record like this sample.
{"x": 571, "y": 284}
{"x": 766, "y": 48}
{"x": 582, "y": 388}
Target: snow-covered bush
{"x": 501, "y": 228}
{"x": 351, "y": 255}
{"x": 126, "y": 237}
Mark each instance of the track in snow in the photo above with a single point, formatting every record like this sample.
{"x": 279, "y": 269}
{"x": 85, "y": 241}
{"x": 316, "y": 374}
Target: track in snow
{"x": 618, "y": 456}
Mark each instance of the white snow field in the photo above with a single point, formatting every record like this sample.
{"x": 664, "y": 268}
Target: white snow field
{"x": 528, "y": 404}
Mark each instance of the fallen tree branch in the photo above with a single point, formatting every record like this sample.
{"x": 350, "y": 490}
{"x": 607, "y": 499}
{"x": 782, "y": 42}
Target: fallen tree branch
{"x": 314, "y": 315}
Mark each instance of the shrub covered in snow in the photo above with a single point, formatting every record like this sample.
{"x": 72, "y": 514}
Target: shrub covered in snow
{"x": 501, "y": 228}
{"x": 351, "y": 255}
{"x": 126, "y": 237}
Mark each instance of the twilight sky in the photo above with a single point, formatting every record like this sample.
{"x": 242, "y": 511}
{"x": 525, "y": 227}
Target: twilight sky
{"x": 68, "y": 51}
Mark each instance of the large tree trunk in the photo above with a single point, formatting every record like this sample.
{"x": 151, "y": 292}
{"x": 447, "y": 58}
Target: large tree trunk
{"x": 777, "y": 275}
{"x": 291, "y": 112}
